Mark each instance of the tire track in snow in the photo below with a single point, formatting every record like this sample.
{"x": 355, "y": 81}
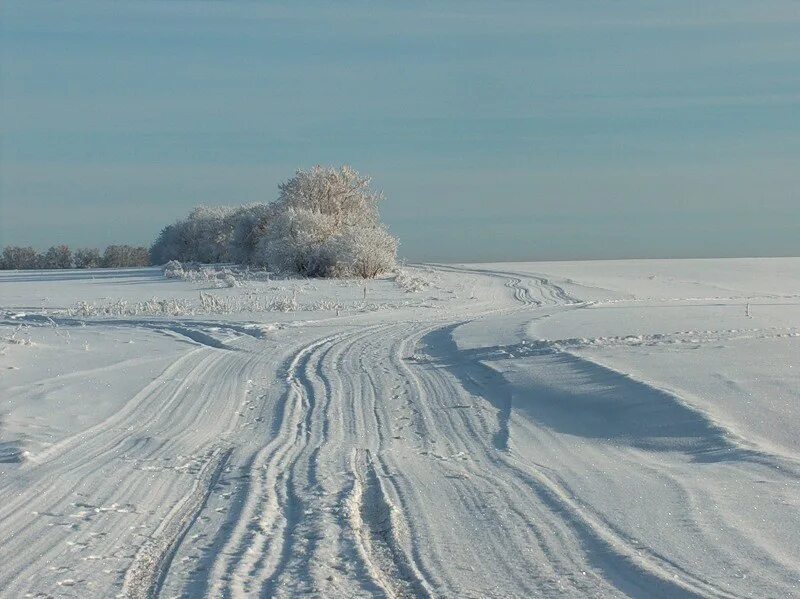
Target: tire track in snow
{"x": 145, "y": 576}
{"x": 173, "y": 413}
{"x": 550, "y": 292}
{"x": 505, "y": 542}
{"x": 373, "y": 519}
{"x": 396, "y": 555}
{"x": 315, "y": 560}
{"x": 313, "y": 495}
{"x": 429, "y": 560}
{"x": 263, "y": 542}
{"x": 260, "y": 536}
{"x": 629, "y": 568}
{"x": 89, "y": 447}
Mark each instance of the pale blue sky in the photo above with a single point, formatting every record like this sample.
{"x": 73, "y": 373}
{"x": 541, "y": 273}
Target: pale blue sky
{"x": 498, "y": 130}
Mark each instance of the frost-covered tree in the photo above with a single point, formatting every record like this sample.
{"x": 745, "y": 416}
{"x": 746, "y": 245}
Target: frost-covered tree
{"x": 364, "y": 252}
{"x": 326, "y": 223}
{"x": 298, "y": 241}
{"x": 87, "y": 258}
{"x": 211, "y": 227}
{"x": 58, "y": 256}
{"x": 204, "y": 236}
{"x": 342, "y": 194}
{"x": 20, "y": 258}
{"x": 250, "y": 225}
{"x": 171, "y": 244}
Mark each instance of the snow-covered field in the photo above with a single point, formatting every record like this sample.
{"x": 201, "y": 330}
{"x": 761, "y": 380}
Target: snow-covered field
{"x": 593, "y": 429}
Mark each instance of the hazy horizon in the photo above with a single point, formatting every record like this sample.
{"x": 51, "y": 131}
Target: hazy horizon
{"x": 503, "y": 131}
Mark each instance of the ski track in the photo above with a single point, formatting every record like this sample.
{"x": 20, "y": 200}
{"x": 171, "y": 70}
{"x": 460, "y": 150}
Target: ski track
{"x": 329, "y": 464}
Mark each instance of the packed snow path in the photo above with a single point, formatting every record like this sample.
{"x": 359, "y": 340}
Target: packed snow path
{"x": 407, "y": 452}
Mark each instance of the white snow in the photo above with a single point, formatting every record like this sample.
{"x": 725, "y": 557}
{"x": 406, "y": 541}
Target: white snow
{"x": 575, "y": 429}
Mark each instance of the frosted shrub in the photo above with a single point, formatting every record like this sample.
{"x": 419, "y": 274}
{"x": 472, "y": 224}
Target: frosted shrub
{"x": 410, "y": 283}
{"x": 363, "y": 252}
{"x": 152, "y": 307}
{"x": 326, "y": 305}
{"x": 197, "y": 273}
{"x": 204, "y": 236}
{"x": 298, "y": 242}
{"x": 228, "y": 280}
{"x": 250, "y": 225}
{"x": 213, "y": 303}
{"x": 213, "y": 234}
{"x": 174, "y": 270}
{"x": 169, "y": 307}
{"x": 326, "y": 224}
{"x": 284, "y": 304}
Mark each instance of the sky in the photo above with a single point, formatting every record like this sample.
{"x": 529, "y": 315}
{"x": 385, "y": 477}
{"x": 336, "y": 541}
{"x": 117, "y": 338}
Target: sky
{"x": 525, "y": 130}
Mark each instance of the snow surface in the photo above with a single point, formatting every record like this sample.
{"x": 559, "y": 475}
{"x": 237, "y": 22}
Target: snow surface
{"x": 585, "y": 429}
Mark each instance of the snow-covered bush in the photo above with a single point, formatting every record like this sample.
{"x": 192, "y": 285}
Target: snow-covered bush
{"x": 363, "y": 252}
{"x": 213, "y": 303}
{"x": 204, "y": 236}
{"x": 326, "y": 223}
{"x": 152, "y": 307}
{"x": 212, "y": 234}
{"x": 228, "y": 280}
{"x": 250, "y": 225}
{"x": 284, "y": 304}
{"x": 297, "y": 242}
{"x": 174, "y": 270}
{"x": 198, "y": 273}
{"x": 410, "y": 283}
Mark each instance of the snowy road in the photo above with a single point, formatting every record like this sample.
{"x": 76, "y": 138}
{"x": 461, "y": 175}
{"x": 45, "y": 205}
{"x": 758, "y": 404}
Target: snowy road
{"x": 451, "y": 446}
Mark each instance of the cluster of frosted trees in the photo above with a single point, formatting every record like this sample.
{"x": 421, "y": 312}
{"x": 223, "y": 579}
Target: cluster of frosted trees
{"x": 61, "y": 256}
{"x": 324, "y": 223}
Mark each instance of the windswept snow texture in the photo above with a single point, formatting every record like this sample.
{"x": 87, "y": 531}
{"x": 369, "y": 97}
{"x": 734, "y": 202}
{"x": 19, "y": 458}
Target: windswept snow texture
{"x": 597, "y": 429}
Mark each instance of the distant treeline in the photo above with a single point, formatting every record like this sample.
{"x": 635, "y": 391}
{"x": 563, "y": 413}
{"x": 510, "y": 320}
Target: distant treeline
{"x": 61, "y": 256}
